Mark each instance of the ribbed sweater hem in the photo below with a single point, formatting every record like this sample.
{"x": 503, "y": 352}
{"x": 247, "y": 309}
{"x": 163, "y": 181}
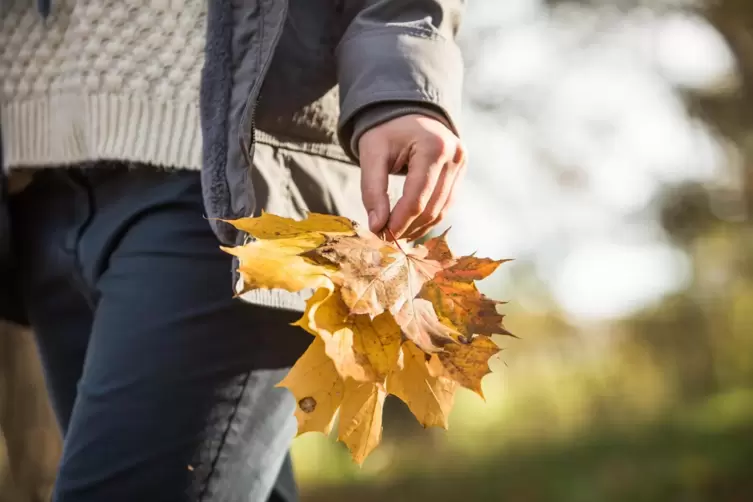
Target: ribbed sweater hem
{"x": 66, "y": 129}
{"x": 277, "y": 299}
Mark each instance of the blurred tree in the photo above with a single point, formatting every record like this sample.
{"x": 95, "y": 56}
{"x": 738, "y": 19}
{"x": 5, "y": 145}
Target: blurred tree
{"x": 699, "y": 336}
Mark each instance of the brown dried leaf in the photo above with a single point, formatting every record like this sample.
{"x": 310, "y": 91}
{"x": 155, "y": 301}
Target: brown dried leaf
{"x": 456, "y": 298}
{"x": 376, "y": 275}
{"x": 420, "y": 325}
{"x": 466, "y": 363}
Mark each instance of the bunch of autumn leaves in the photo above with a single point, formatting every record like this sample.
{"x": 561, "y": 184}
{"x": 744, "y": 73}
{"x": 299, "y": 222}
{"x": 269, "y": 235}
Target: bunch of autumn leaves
{"x": 386, "y": 319}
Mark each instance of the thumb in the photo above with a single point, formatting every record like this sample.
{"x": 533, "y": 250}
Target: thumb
{"x": 374, "y": 183}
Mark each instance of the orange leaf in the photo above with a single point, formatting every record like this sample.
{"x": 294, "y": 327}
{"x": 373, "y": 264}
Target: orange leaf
{"x": 456, "y": 298}
{"x": 468, "y": 363}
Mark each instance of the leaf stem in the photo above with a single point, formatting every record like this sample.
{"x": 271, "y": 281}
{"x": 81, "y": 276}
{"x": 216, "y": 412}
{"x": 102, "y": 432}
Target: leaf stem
{"x": 392, "y": 236}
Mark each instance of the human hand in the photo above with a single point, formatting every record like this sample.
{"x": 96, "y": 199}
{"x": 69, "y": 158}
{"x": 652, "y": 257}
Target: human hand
{"x": 436, "y": 163}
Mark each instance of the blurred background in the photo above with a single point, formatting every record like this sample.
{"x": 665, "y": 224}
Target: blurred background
{"x": 611, "y": 156}
{"x": 610, "y": 147}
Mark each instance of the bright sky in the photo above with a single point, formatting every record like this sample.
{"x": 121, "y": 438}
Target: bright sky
{"x": 589, "y": 99}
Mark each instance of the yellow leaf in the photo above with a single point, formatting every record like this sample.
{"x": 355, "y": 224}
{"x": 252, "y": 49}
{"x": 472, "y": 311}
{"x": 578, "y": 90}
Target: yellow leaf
{"x": 317, "y": 388}
{"x": 361, "y": 418}
{"x": 381, "y": 343}
{"x": 468, "y": 363}
{"x": 361, "y": 348}
{"x": 277, "y": 263}
{"x": 270, "y": 226}
{"x": 313, "y": 304}
{"x": 428, "y": 397}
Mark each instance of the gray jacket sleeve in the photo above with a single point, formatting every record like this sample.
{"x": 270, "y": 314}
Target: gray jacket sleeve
{"x": 399, "y": 53}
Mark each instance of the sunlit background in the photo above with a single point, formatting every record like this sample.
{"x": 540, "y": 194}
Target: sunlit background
{"x": 611, "y": 157}
{"x": 610, "y": 145}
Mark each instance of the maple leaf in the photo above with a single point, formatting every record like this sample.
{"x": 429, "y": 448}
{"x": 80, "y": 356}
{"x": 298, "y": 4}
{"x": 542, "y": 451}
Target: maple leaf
{"x": 376, "y": 276}
{"x": 361, "y": 348}
{"x": 437, "y": 248}
{"x": 456, "y": 298}
{"x": 361, "y": 418}
{"x": 386, "y": 319}
{"x": 421, "y": 325}
{"x": 274, "y": 259}
{"x": 428, "y": 397}
{"x": 278, "y": 263}
{"x": 317, "y": 388}
{"x": 465, "y": 363}
{"x": 271, "y": 226}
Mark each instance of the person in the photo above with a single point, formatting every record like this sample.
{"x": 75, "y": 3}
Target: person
{"x": 130, "y": 131}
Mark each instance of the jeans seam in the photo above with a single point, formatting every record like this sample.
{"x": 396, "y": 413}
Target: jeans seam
{"x": 223, "y": 440}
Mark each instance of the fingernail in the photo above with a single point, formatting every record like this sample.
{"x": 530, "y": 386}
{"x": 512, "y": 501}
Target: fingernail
{"x": 372, "y": 220}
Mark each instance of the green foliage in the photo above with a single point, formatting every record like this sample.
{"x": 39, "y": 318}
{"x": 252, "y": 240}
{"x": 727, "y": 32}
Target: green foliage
{"x": 694, "y": 454}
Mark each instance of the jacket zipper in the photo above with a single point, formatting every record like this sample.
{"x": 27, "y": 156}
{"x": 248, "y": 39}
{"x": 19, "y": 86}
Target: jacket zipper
{"x": 246, "y": 148}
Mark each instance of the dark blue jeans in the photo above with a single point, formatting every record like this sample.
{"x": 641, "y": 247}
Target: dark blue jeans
{"x": 161, "y": 381}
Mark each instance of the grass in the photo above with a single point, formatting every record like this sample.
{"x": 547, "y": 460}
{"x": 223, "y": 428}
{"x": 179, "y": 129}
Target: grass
{"x": 700, "y": 454}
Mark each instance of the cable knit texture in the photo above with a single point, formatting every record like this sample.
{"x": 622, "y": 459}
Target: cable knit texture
{"x": 101, "y": 79}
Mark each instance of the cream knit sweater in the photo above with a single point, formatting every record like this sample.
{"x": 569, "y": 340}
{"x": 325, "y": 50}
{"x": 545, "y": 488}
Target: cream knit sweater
{"x": 101, "y": 79}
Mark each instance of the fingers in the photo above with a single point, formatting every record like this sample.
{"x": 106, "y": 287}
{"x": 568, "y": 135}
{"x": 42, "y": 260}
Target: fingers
{"x": 435, "y": 161}
{"x": 442, "y": 192}
{"x": 375, "y": 168}
{"x": 425, "y": 167}
{"x": 442, "y": 206}
{"x": 458, "y": 168}
{"x": 435, "y": 205}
